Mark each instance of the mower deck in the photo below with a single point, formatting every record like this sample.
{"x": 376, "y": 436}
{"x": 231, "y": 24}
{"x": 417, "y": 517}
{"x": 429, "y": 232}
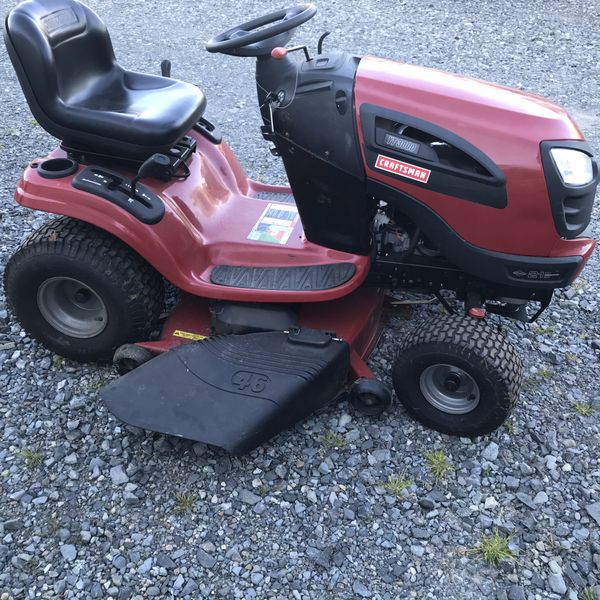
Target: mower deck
{"x": 235, "y": 391}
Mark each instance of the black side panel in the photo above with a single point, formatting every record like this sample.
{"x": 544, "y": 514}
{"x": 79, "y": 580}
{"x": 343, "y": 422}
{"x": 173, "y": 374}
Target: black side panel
{"x": 533, "y": 272}
{"x": 457, "y": 167}
{"x": 315, "y": 134}
{"x": 571, "y": 205}
{"x": 237, "y": 318}
{"x": 332, "y": 203}
{"x": 317, "y": 277}
{"x": 234, "y": 392}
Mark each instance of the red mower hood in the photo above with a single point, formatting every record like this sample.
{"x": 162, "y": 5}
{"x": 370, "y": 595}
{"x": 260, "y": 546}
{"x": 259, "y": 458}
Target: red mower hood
{"x": 461, "y": 103}
{"x": 508, "y": 126}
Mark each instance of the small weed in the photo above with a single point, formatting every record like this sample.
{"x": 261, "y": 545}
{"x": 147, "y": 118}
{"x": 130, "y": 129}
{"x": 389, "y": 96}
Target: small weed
{"x": 585, "y": 409}
{"x": 544, "y": 373}
{"x": 439, "y": 465}
{"x": 33, "y": 458}
{"x": 264, "y": 489}
{"x": 33, "y": 122}
{"x": 510, "y": 425}
{"x": 541, "y": 330}
{"x": 587, "y": 593}
{"x": 579, "y": 284}
{"x": 100, "y": 382}
{"x": 58, "y": 362}
{"x": 528, "y": 383}
{"x": 184, "y": 502}
{"x": 397, "y": 484}
{"x": 333, "y": 440}
{"x": 52, "y": 525}
{"x": 572, "y": 357}
{"x": 493, "y": 548}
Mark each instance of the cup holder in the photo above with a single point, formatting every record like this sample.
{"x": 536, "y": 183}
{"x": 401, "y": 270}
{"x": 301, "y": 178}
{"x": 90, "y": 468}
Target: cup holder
{"x": 55, "y": 168}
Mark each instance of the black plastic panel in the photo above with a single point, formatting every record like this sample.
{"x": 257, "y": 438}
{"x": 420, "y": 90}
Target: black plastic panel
{"x": 234, "y": 392}
{"x": 147, "y": 206}
{"x": 237, "y": 318}
{"x": 479, "y": 180}
{"x": 318, "y": 277}
{"x": 510, "y": 270}
{"x": 571, "y": 205}
{"x": 314, "y": 129}
{"x": 333, "y": 205}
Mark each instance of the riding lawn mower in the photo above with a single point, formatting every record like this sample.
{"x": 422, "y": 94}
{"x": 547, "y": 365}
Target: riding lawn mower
{"x": 401, "y": 178}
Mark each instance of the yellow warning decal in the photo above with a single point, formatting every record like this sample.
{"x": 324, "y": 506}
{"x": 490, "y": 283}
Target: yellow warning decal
{"x": 188, "y": 335}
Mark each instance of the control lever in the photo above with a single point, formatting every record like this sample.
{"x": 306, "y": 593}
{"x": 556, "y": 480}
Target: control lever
{"x": 155, "y": 166}
{"x": 165, "y": 68}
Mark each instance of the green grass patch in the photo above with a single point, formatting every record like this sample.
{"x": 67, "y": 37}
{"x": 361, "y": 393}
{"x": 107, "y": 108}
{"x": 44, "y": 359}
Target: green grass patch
{"x": 99, "y": 383}
{"x": 544, "y": 373}
{"x": 58, "y": 362}
{"x": 439, "y": 465}
{"x": 585, "y": 409}
{"x": 587, "y": 593}
{"x": 32, "y": 458}
{"x": 541, "y": 330}
{"x": 184, "y": 502}
{"x": 332, "y": 440}
{"x": 397, "y": 484}
{"x": 493, "y": 548}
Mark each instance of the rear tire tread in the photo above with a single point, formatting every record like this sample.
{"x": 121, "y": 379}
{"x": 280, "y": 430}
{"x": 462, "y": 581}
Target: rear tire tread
{"x": 141, "y": 286}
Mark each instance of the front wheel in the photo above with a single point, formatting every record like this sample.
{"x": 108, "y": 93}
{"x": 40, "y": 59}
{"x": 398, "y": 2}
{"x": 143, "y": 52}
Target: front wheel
{"x": 458, "y": 376}
{"x": 82, "y": 292}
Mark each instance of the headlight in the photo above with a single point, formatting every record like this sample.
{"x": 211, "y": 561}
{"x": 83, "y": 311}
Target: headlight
{"x": 574, "y": 166}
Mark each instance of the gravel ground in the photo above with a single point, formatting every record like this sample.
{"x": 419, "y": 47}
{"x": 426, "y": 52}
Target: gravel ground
{"x": 92, "y": 509}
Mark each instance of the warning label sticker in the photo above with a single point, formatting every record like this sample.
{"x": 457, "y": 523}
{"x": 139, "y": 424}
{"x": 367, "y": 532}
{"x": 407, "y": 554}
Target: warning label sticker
{"x": 188, "y": 335}
{"x": 403, "y": 169}
{"x": 275, "y": 225}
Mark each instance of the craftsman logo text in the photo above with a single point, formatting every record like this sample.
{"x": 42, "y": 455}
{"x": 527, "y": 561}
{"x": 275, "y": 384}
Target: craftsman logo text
{"x": 403, "y": 169}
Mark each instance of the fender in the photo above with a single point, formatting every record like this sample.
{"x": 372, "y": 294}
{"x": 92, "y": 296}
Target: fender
{"x": 206, "y": 224}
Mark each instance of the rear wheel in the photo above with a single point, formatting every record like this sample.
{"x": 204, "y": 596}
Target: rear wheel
{"x": 81, "y": 292}
{"x": 458, "y": 376}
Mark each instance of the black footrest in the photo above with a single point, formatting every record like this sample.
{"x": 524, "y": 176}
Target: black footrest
{"x": 233, "y": 391}
{"x": 317, "y": 277}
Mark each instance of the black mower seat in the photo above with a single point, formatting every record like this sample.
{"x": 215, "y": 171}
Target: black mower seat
{"x": 64, "y": 59}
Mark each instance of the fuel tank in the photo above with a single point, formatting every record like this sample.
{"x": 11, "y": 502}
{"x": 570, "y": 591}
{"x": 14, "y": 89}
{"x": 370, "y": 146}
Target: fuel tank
{"x": 472, "y": 152}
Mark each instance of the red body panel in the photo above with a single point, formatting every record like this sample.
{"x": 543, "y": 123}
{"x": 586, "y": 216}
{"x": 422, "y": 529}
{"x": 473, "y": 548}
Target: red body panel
{"x": 207, "y": 220}
{"x": 505, "y": 124}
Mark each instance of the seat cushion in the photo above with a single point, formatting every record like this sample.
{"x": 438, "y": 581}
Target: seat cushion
{"x": 132, "y": 107}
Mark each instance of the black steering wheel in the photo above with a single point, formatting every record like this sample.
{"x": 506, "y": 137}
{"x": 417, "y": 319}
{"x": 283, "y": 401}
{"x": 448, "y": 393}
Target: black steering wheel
{"x": 249, "y": 39}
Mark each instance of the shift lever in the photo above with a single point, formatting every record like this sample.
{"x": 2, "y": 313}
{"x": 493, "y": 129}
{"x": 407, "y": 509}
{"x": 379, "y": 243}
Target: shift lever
{"x": 155, "y": 166}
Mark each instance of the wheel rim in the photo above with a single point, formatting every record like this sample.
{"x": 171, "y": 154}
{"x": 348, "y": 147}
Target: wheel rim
{"x": 449, "y": 389}
{"x": 72, "y": 307}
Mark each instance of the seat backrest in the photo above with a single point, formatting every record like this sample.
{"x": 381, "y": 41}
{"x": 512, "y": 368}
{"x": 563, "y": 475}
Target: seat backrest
{"x": 58, "y": 48}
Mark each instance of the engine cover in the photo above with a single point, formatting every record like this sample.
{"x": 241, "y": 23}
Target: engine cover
{"x": 470, "y": 151}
